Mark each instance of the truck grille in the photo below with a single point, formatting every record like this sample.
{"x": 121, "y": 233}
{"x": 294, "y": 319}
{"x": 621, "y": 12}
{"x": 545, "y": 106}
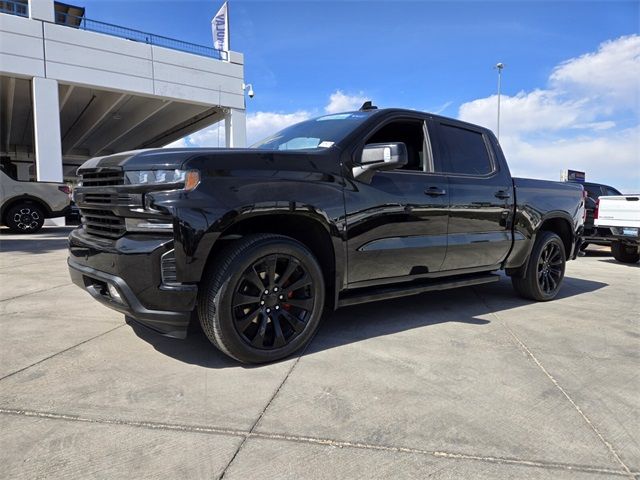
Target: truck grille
{"x": 98, "y": 198}
{"x": 116, "y": 199}
{"x": 102, "y": 178}
{"x": 102, "y": 223}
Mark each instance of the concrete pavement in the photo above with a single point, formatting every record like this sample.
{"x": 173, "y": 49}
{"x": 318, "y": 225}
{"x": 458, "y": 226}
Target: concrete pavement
{"x": 469, "y": 383}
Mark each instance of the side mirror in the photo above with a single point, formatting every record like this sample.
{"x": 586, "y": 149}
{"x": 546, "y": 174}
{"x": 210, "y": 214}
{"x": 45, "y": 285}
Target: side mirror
{"x": 380, "y": 156}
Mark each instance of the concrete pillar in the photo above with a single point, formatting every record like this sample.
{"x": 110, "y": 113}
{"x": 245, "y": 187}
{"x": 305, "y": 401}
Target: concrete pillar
{"x": 42, "y": 10}
{"x": 235, "y": 128}
{"x": 46, "y": 129}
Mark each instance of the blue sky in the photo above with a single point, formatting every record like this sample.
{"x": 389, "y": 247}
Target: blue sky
{"x": 434, "y": 56}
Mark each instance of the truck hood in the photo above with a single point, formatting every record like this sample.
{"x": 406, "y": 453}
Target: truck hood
{"x": 172, "y": 158}
{"x": 150, "y": 159}
{"x": 217, "y": 159}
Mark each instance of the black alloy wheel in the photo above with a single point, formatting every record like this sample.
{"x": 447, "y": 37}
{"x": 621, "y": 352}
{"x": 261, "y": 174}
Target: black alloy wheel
{"x": 550, "y": 268}
{"x": 25, "y": 218}
{"x": 261, "y": 298}
{"x": 545, "y": 269}
{"x": 272, "y": 301}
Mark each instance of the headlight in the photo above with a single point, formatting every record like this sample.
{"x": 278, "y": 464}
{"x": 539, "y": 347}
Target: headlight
{"x": 190, "y": 178}
{"x": 148, "y": 225}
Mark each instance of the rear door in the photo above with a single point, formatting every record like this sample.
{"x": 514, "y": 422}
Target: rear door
{"x": 481, "y": 197}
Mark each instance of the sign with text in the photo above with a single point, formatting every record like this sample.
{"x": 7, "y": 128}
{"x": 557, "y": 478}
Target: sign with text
{"x": 573, "y": 176}
{"x": 220, "y": 29}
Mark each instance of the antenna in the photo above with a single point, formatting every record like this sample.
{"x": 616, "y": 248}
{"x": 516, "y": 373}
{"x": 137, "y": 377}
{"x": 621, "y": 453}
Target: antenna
{"x": 368, "y": 106}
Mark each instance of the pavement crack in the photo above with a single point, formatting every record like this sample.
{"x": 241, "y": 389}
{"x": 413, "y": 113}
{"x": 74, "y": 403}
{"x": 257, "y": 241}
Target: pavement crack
{"x": 37, "y": 291}
{"x": 251, "y": 431}
{"x": 555, "y": 382}
{"x": 61, "y": 352}
{"x": 124, "y": 422}
{"x": 213, "y": 430}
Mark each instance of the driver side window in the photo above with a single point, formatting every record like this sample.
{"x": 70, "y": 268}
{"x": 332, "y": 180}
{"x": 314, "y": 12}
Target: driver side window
{"x": 409, "y": 132}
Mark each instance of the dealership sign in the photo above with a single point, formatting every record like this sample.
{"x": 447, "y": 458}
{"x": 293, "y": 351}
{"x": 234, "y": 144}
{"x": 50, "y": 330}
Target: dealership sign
{"x": 573, "y": 176}
{"x": 220, "y": 29}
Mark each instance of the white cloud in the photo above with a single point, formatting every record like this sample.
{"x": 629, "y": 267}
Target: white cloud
{"x": 611, "y": 158}
{"x": 259, "y": 125}
{"x": 342, "y": 102}
{"x": 180, "y": 143}
{"x": 439, "y": 109}
{"x": 527, "y": 112}
{"x": 611, "y": 73}
{"x": 587, "y": 118}
{"x": 263, "y": 124}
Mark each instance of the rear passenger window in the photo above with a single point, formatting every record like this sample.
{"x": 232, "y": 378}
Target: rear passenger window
{"x": 467, "y": 151}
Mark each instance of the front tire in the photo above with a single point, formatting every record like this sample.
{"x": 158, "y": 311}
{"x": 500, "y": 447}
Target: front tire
{"x": 25, "y": 218}
{"x": 262, "y": 300}
{"x": 545, "y": 269}
{"x": 625, "y": 253}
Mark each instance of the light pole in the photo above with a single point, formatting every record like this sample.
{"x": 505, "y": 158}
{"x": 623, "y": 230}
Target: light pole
{"x": 499, "y": 66}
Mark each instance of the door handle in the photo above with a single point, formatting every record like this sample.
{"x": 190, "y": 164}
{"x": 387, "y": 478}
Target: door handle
{"x": 503, "y": 194}
{"x": 435, "y": 191}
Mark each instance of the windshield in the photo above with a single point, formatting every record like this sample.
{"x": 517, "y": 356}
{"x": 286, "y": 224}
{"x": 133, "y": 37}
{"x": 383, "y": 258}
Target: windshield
{"x": 321, "y": 132}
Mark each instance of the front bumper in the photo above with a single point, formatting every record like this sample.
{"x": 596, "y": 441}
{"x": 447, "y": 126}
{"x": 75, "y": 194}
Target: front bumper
{"x": 132, "y": 266}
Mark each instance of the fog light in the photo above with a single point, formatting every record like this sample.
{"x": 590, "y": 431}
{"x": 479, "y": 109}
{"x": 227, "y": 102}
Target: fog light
{"x": 113, "y": 292}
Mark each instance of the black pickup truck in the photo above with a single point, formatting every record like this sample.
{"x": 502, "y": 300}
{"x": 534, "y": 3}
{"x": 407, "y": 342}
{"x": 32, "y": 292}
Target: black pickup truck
{"x": 334, "y": 211}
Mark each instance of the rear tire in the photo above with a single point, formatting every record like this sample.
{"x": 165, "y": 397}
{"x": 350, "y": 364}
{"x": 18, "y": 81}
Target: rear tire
{"x": 545, "y": 269}
{"x": 625, "y": 253}
{"x": 262, "y": 299}
{"x": 25, "y": 218}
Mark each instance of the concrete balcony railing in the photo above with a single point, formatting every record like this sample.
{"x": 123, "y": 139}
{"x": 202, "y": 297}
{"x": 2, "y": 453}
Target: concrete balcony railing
{"x": 138, "y": 36}
{"x": 80, "y": 22}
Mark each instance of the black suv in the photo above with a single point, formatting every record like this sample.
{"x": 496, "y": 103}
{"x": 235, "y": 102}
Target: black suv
{"x": 338, "y": 210}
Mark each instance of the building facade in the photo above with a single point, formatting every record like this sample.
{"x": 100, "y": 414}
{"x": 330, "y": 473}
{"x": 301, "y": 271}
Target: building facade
{"x": 72, "y": 88}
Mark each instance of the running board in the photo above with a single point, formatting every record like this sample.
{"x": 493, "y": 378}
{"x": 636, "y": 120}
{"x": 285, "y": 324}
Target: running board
{"x": 386, "y": 292}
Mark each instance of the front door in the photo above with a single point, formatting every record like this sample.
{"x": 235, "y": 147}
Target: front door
{"x": 397, "y": 223}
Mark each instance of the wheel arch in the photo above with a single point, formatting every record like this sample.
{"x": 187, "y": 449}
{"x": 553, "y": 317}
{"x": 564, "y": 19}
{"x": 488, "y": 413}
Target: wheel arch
{"x": 559, "y": 223}
{"x": 312, "y": 230}
{"x": 25, "y": 198}
{"x": 561, "y": 226}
